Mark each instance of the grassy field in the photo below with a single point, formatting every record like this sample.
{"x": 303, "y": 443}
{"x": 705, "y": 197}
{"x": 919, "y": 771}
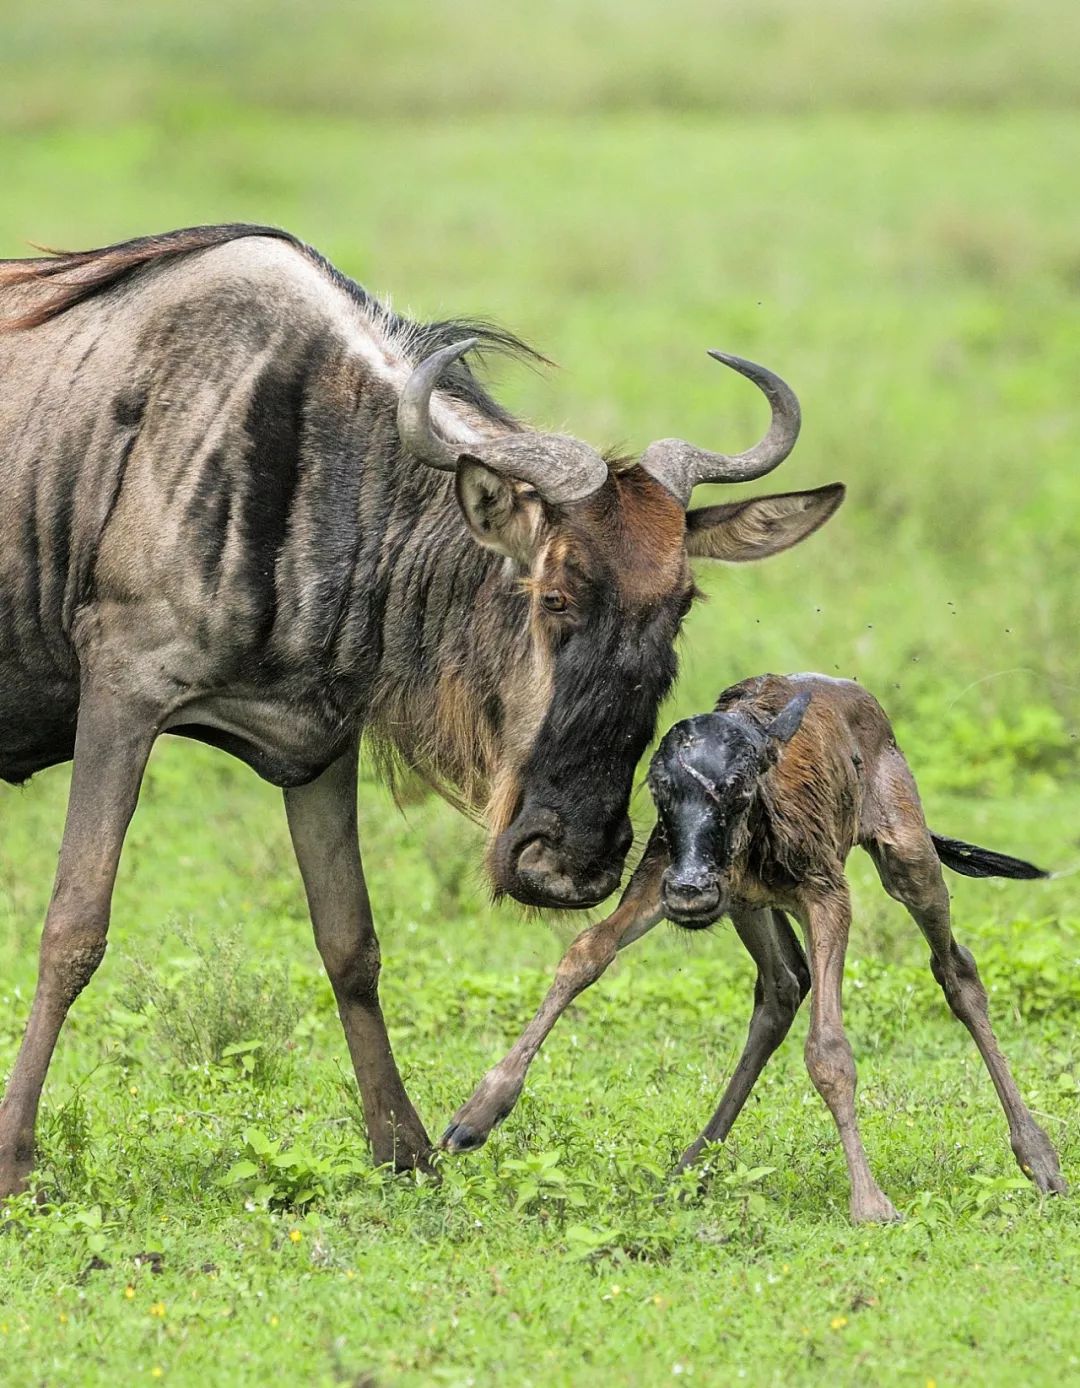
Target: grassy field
{"x": 883, "y": 206}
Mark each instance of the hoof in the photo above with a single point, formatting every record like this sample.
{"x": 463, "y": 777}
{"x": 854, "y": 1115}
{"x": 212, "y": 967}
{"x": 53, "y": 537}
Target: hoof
{"x": 876, "y": 1208}
{"x": 1038, "y": 1160}
{"x": 14, "y": 1181}
{"x": 402, "y": 1149}
{"x": 460, "y": 1137}
{"x": 493, "y": 1100}
{"x": 690, "y": 1158}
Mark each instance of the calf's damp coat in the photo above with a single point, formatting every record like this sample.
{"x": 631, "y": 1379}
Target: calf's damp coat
{"x": 759, "y": 805}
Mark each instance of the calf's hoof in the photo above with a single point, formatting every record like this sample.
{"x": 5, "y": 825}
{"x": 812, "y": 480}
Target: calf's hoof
{"x": 460, "y": 1137}
{"x": 471, "y": 1126}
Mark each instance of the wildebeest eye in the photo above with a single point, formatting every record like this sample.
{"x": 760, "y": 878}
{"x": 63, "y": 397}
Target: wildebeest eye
{"x": 553, "y": 601}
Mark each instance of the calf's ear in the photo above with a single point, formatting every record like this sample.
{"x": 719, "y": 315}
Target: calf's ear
{"x": 500, "y": 513}
{"x": 742, "y": 530}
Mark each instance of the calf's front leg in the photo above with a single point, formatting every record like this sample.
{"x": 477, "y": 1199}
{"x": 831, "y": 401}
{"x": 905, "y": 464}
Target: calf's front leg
{"x": 827, "y": 920}
{"x": 783, "y": 981}
{"x": 586, "y": 959}
{"x": 322, "y": 821}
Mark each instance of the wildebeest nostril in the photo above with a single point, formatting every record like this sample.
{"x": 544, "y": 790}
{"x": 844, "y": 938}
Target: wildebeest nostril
{"x": 534, "y": 853}
{"x": 537, "y": 826}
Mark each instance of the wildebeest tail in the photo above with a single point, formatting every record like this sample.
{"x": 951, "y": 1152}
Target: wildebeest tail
{"x": 973, "y": 861}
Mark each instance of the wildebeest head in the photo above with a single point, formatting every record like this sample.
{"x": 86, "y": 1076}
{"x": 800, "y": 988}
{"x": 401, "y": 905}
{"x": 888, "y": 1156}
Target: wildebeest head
{"x": 601, "y": 552}
{"x": 704, "y": 779}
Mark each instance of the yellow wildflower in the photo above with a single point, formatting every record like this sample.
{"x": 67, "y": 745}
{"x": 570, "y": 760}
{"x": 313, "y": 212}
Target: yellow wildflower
{"x": 838, "y": 1322}
{"x": 158, "y": 1309}
{"x": 295, "y": 1236}
{"x": 129, "y": 1292}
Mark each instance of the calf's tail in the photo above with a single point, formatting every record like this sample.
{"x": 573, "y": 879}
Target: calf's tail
{"x": 973, "y": 861}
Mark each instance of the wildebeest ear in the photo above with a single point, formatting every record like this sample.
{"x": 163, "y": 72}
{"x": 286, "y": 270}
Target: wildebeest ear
{"x": 764, "y": 525}
{"x": 788, "y": 721}
{"x": 497, "y": 513}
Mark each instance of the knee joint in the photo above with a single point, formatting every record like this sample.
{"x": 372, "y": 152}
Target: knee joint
{"x": 354, "y": 970}
{"x": 69, "y": 960}
{"x": 791, "y": 988}
{"x": 780, "y": 1004}
{"x": 830, "y": 1062}
{"x": 959, "y": 981}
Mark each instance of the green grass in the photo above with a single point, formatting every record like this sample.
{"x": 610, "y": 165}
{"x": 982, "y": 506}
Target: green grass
{"x": 881, "y": 204}
{"x": 115, "y": 59}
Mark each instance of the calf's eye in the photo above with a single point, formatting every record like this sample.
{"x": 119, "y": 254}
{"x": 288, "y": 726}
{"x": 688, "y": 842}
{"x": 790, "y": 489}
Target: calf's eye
{"x": 553, "y": 601}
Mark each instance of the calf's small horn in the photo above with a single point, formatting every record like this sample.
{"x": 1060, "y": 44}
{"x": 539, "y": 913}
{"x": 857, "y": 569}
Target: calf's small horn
{"x": 681, "y": 466}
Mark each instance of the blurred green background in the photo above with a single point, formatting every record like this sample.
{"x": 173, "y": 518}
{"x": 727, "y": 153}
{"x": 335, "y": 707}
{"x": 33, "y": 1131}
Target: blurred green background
{"x": 880, "y": 201}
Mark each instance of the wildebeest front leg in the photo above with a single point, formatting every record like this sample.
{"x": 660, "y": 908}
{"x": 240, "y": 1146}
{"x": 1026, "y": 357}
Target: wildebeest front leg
{"x": 322, "y": 821}
{"x": 783, "y": 981}
{"x": 827, "y": 919}
{"x": 582, "y": 964}
{"x": 112, "y": 743}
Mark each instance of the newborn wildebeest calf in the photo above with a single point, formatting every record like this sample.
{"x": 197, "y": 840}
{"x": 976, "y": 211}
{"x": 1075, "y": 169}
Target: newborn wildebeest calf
{"x": 760, "y": 803}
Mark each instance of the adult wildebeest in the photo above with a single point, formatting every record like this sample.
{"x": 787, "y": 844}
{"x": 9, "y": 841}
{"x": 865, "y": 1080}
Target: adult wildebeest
{"x": 759, "y": 805}
{"x": 234, "y": 505}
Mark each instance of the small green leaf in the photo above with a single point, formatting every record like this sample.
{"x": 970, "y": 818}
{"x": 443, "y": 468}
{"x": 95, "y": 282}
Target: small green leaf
{"x": 259, "y": 1143}
{"x": 241, "y": 1171}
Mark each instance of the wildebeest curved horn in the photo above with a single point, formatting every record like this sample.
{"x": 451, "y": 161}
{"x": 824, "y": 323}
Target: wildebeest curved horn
{"x": 561, "y": 469}
{"x": 681, "y": 466}
{"x": 414, "y": 424}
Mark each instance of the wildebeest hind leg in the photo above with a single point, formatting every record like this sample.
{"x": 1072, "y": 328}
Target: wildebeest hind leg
{"x": 783, "y": 981}
{"x": 322, "y": 821}
{"x": 112, "y": 743}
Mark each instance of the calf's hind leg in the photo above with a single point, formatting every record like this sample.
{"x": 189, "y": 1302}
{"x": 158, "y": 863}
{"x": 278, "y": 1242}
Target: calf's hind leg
{"x": 911, "y": 872}
{"x": 112, "y": 744}
{"x": 783, "y": 981}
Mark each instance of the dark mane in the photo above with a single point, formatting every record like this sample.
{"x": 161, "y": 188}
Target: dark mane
{"x": 73, "y": 277}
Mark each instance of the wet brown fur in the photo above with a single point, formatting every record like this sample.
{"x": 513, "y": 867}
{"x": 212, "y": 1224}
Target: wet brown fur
{"x": 839, "y": 781}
